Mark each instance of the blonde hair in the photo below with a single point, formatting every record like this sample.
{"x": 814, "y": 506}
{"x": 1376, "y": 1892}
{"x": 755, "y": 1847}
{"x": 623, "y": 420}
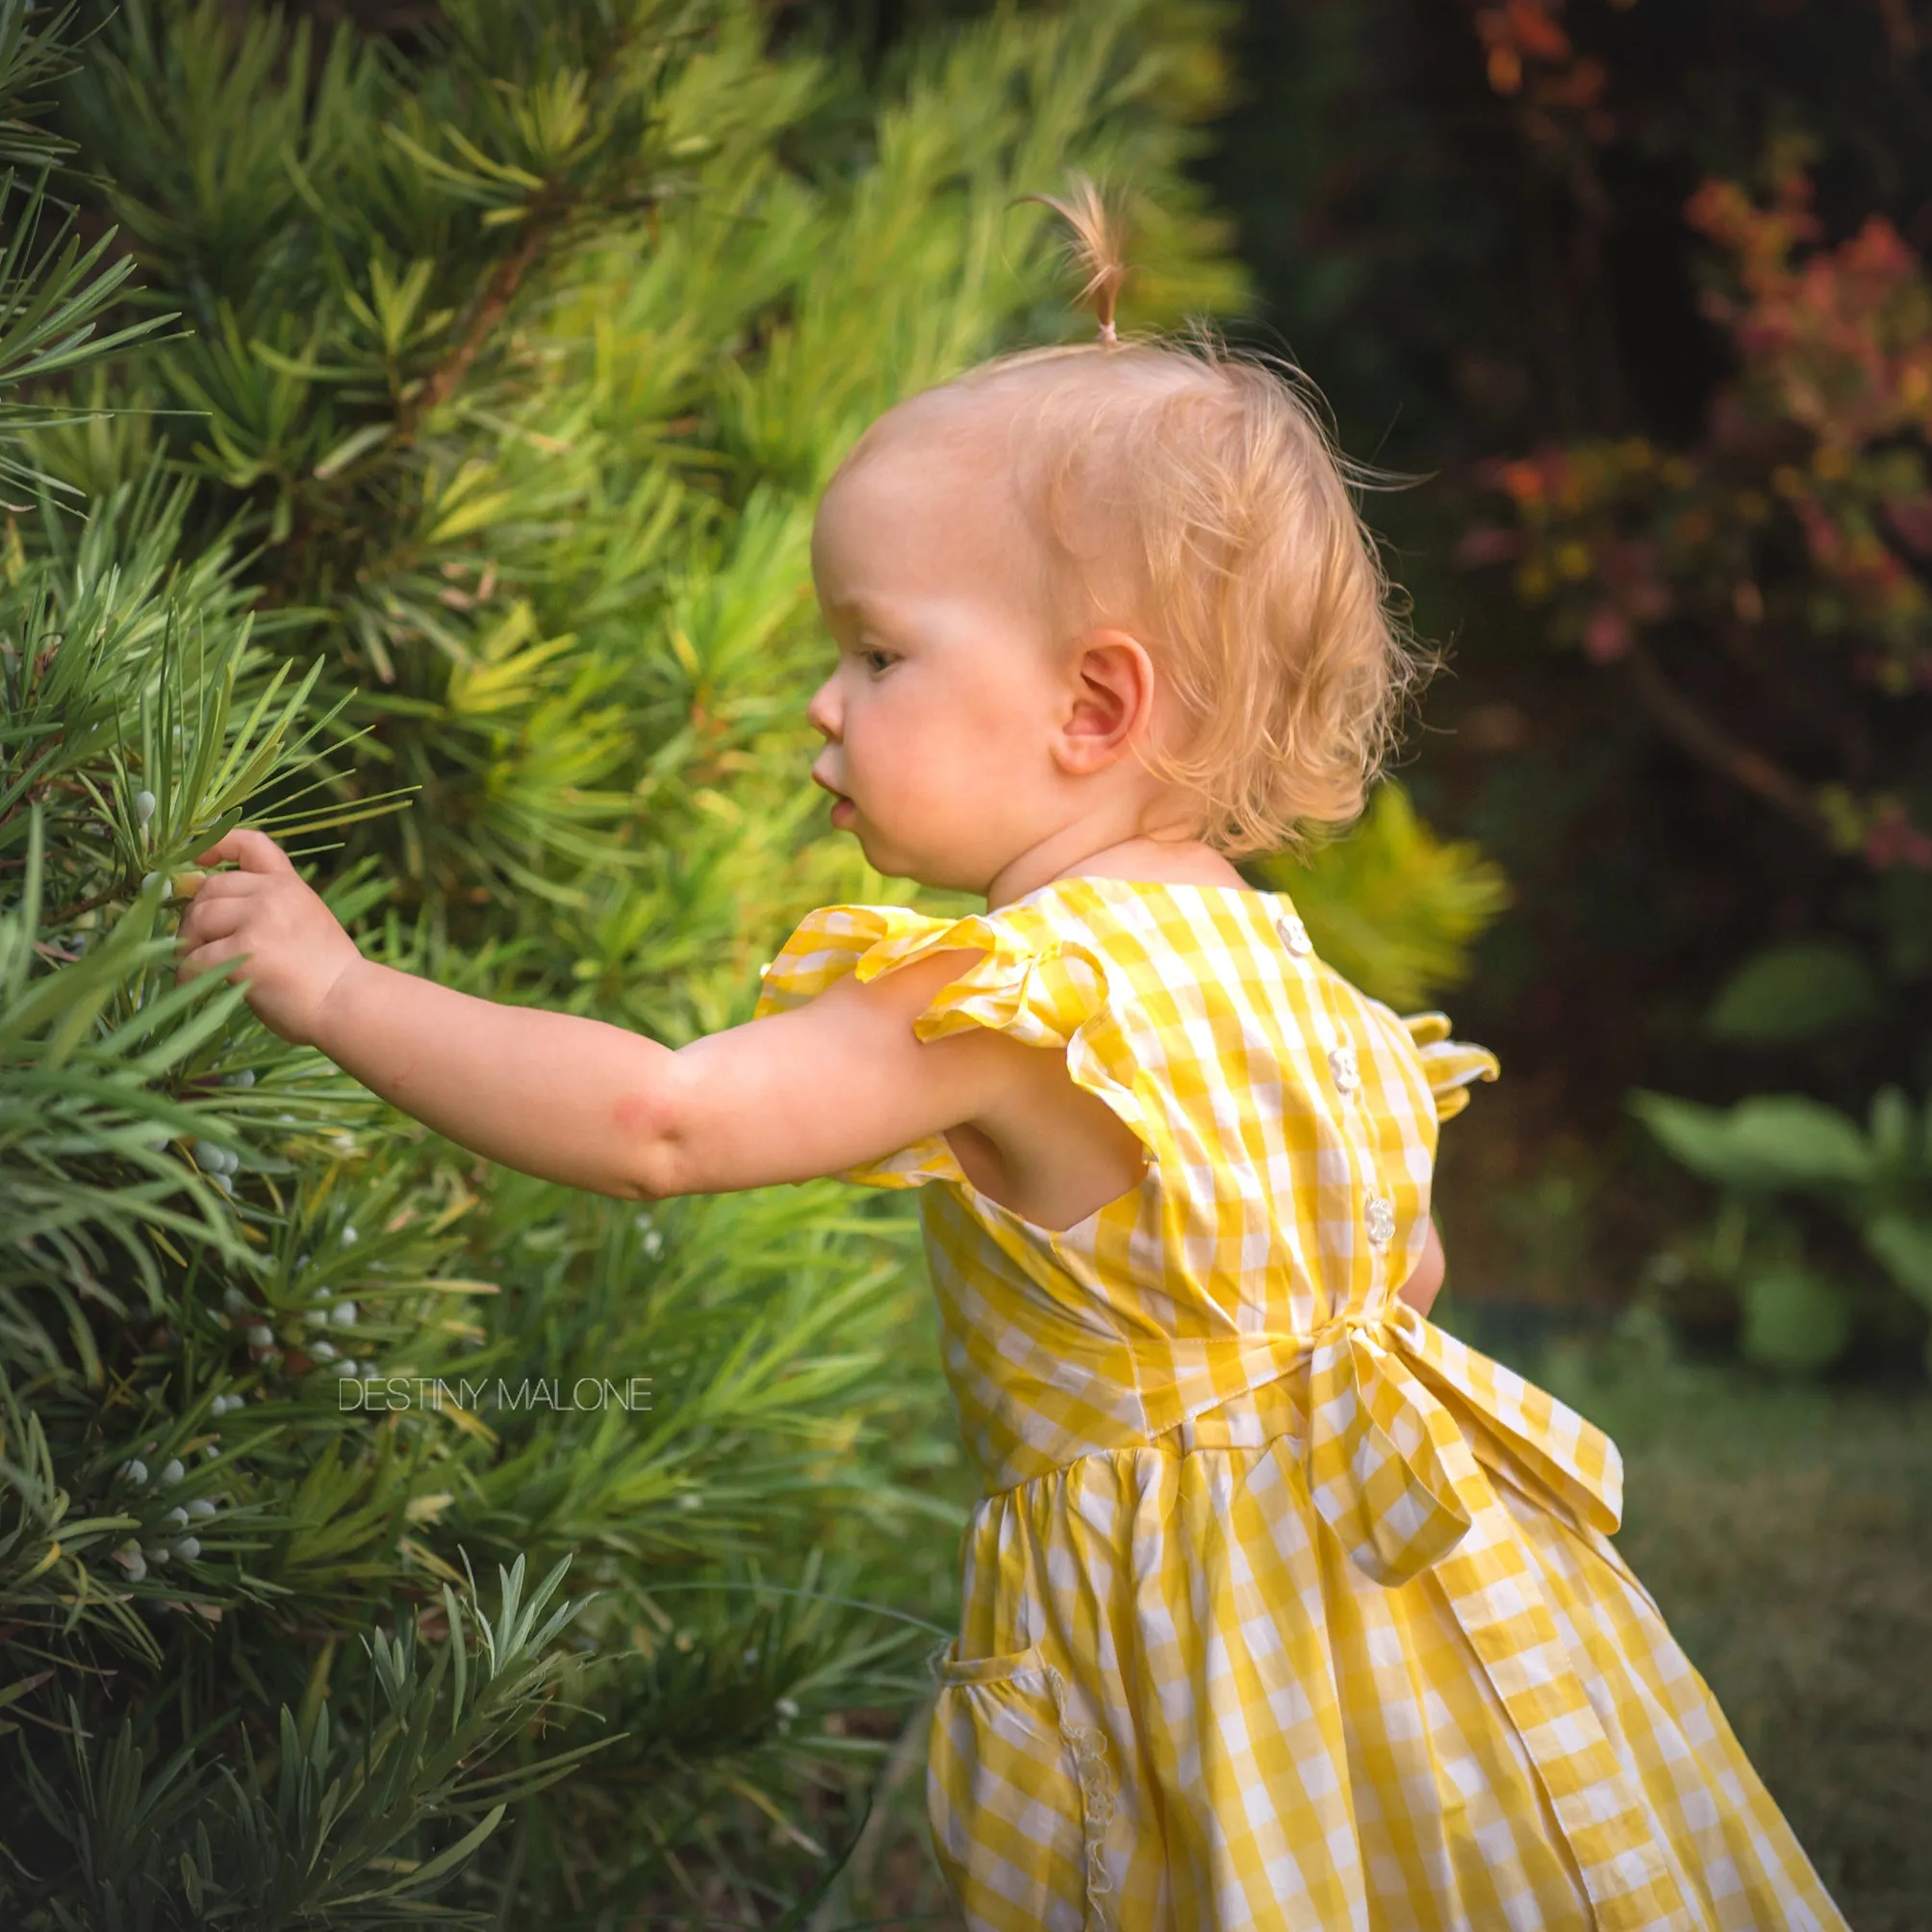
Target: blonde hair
{"x": 1227, "y": 531}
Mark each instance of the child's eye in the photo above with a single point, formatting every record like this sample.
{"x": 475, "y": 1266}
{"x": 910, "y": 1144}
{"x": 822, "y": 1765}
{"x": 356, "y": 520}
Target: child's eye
{"x": 876, "y": 659}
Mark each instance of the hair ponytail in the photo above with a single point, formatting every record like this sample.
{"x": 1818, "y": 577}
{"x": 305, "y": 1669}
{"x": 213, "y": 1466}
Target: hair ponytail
{"x": 1096, "y": 245}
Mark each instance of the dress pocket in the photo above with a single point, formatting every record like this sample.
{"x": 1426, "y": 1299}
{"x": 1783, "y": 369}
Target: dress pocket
{"x": 1018, "y": 1796}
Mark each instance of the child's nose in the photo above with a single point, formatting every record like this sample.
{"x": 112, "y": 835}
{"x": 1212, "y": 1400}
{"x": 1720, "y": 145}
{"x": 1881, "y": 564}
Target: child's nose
{"x": 822, "y": 714}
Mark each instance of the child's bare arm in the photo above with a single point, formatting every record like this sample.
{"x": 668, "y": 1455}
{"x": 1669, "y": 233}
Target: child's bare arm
{"x": 1422, "y": 1288}
{"x": 786, "y": 1098}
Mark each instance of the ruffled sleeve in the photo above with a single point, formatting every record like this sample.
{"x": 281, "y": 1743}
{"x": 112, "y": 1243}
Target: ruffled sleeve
{"x": 1041, "y": 988}
{"x": 1451, "y": 1065}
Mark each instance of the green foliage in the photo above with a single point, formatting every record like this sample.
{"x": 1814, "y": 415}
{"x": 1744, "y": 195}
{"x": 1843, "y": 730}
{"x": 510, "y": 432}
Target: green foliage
{"x": 1794, "y": 991}
{"x": 531, "y": 405}
{"x": 458, "y": 531}
{"x": 1877, "y": 1183}
{"x": 1391, "y": 906}
{"x": 1766, "y": 1142}
{"x": 317, "y": 1843}
{"x": 1793, "y": 1319}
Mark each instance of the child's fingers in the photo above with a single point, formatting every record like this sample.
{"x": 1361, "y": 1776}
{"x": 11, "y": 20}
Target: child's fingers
{"x": 214, "y": 918}
{"x": 215, "y": 886}
{"x": 252, "y": 851}
{"x": 217, "y": 905}
{"x": 210, "y": 958}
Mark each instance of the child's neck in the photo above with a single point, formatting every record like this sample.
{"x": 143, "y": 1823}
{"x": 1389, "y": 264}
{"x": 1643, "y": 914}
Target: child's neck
{"x": 1163, "y": 861}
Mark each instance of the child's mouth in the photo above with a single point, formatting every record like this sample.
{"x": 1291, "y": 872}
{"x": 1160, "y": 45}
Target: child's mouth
{"x": 842, "y": 810}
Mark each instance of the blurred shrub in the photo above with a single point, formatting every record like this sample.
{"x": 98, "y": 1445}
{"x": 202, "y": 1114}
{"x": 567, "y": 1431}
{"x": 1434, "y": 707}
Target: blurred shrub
{"x": 1772, "y": 1150}
{"x": 1640, "y": 293}
{"x": 1788, "y": 538}
{"x": 1392, "y": 906}
{"x": 1798, "y": 990}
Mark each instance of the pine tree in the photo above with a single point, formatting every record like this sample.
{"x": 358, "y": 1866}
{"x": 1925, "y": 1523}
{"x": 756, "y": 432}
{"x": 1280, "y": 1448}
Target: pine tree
{"x": 447, "y": 516}
{"x": 438, "y": 501}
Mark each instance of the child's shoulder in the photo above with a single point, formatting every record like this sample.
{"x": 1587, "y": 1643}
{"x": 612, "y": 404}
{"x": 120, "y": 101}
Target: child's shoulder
{"x": 832, "y": 941}
{"x": 1021, "y": 981}
{"x": 1109, "y": 935}
{"x": 1096, "y": 956}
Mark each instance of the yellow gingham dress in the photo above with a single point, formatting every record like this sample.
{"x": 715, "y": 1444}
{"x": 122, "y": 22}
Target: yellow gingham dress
{"x": 1282, "y": 1609}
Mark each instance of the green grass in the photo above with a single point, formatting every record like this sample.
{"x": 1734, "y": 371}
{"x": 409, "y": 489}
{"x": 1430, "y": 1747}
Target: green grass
{"x": 1787, "y": 1533}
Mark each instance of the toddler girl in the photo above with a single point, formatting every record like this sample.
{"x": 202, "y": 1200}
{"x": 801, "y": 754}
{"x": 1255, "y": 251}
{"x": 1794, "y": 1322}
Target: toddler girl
{"x": 1281, "y": 1608}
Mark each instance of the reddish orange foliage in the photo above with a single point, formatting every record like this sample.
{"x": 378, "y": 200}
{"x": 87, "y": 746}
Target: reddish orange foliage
{"x": 1801, "y": 518}
{"x": 1527, "y": 51}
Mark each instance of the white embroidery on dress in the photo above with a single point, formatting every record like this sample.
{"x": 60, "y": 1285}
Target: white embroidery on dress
{"x": 1098, "y": 1791}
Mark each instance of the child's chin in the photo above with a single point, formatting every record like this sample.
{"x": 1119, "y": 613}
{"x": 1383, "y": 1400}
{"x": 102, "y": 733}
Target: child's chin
{"x": 881, "y": 854}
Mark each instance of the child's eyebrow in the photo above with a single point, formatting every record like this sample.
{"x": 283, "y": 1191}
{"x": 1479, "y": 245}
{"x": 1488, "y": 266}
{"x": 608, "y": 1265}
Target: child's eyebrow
{"x": 856, "y": 606}
{"x": 837, "y": 615}
{"x": 862, "y": 614}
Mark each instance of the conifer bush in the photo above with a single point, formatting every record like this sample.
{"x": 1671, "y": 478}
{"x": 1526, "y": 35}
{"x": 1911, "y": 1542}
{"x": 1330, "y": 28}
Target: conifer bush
{"x": 418, "y": 462}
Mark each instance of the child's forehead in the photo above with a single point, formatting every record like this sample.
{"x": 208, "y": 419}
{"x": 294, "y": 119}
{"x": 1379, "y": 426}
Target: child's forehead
{"x": 897, "y": 535}
{"x": 935, "y": 435}
{"x": 1003, "y": 439}
{"x": 905, "y": 482}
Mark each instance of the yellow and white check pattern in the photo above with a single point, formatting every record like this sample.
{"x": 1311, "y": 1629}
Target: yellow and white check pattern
{"x": 1282, "y": 1609}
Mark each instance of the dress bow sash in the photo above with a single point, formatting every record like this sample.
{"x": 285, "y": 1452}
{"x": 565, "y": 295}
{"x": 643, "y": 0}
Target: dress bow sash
{"x": 1391, "y": 1468}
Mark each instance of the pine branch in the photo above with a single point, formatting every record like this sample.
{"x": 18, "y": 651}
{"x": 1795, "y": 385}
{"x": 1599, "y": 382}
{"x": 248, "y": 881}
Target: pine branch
{"x": 549, "y": 214}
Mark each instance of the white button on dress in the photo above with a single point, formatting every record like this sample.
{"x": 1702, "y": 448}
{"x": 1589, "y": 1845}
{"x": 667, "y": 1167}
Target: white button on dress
{"x": 1294, "y": 935}
{"x": 1341, "y": 1064}
{"x": 1380, "y": 1215}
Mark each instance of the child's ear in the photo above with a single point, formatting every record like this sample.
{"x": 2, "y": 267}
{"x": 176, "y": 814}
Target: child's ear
{"x": 1110, "y": 702}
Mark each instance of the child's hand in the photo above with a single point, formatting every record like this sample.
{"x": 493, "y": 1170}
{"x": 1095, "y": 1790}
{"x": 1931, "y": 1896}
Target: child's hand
{"x": 298, "y": 949}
